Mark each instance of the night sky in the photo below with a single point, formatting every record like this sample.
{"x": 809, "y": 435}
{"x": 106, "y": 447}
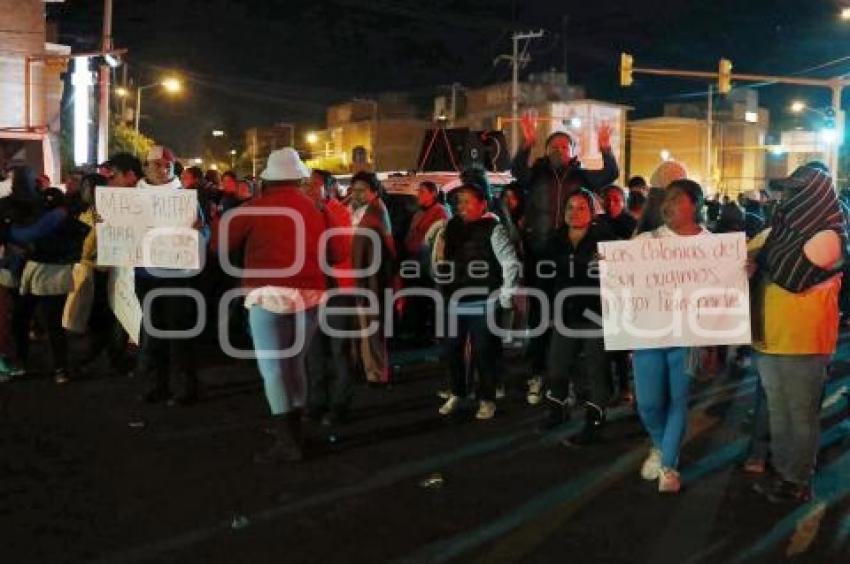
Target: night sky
{"x": 252, "y": 62}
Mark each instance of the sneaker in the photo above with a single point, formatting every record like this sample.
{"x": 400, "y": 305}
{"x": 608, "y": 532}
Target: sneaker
{"x": 486, "y": 410}
{"x": 452, "y": 404}
{"x": 652, "y": 465}
{"x": 501, "y": 393}
{"x": 755, "y": 465}
{"x": 535, "y": 390}
{"x": 669, "y": 481}
{"x": 61, "y": 377}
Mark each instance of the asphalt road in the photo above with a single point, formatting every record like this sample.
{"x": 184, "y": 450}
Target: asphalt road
{"x": 397, "y": 484}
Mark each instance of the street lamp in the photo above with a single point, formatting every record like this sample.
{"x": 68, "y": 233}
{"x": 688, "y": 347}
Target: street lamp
{"x": 171, "y": 85}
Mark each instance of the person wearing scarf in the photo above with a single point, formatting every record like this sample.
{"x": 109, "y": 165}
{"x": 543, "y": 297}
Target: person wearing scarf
{"x": 797, "y": 264}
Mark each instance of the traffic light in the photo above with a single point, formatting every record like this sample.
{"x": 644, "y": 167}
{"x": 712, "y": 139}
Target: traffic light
{"x": 724, "y": 76}
{"x": 626, "y": 62}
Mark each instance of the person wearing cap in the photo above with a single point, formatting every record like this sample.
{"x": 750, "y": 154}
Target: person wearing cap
{"x": 663, "y": 375}
{"x": 667, "y": 172}
{"x": 797, "y": 266}
{"x": 159, "y": 169}
{"x": 637, "y": 184}
{"x": 471, "y": 240}
{"x": 548, "y": 183}
{"x": 160, "y": 356}
{"x": 283, "y": 293}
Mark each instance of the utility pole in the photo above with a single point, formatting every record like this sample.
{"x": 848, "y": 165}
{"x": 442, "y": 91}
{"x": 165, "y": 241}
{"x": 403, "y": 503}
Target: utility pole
{"x": 105, "y": 70}
{"x": 455, "y": 87}
{"x": 565, "y": 20}
{"x": 708, "y": 141}
{"x": 124, "y": 97}
{"x": 515, "y": 63}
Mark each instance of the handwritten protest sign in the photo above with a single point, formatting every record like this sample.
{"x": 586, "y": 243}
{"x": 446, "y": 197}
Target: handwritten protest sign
{"x": 123, "y": 301}
{"x": 675, "y": 291}
{"x": 150, "y": 227}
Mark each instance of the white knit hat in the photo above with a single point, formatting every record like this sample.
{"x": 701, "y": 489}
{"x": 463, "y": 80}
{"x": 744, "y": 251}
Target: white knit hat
{"x": 285, "y": 164}
{"x": 667, "y": 172}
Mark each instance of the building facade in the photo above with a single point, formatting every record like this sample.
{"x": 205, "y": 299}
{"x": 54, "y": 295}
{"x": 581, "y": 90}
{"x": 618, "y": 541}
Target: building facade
{"x": 31, "y": 87}
{"x": 734, "y": 162}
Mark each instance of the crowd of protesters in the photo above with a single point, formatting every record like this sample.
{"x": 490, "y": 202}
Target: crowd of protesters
{"x": 478, "y": 250}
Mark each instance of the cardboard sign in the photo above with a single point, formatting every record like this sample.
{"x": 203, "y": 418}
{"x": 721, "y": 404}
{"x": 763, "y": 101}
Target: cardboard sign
{"x": 675, "y": 291}
{"x": 123, "y": 301}
{"x": 150, "y": 227}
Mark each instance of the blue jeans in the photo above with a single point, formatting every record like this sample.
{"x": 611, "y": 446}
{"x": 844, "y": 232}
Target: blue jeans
{"x": 486, "y": 349}
{"x": 661, "y": 389}
{"x": 760, "y": 431}
{"x": 284, "y": 379}
{"x": 793, "y": 385}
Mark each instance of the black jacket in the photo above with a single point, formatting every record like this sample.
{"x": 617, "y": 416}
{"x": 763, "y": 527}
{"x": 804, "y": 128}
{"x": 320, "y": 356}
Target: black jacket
{"x": 576, "y": 267}
{"x": 471, "y": 242}
{"x": 623, "y": 226}
{"x": 547, "y": 189}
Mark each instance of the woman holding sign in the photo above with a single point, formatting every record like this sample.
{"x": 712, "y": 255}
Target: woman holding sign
{"x": 662, "y": 378}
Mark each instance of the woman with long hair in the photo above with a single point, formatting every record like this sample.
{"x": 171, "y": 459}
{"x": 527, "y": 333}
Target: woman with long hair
{"x": 662, "y": 376}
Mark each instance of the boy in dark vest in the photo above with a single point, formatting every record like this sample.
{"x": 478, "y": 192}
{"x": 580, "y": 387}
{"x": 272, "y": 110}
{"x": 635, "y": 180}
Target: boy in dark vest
{"x": 474, "y": 258}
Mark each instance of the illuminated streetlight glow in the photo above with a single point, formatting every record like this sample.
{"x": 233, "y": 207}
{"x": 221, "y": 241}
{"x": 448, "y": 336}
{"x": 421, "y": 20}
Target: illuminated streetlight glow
{"x": 845, "y": 14}
{"x": 797, "y": 106}
{"x": 172, "y": 84}
{"x": 232, "y": 151}
{"x": 217, "y": 133}
{"x": 82, "y": 81}
{"x": 121, "y": 92}
{"x": 665, "y": 155}
{"x": 828, "y": 136}
{"x": 312, "y": 138}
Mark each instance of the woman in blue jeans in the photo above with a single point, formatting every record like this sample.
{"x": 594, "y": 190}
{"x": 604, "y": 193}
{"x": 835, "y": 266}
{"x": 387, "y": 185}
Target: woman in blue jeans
{"x": 662, "y": 379}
